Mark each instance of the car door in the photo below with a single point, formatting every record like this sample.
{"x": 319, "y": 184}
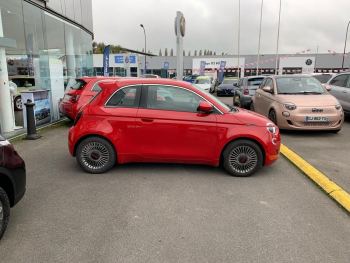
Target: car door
{"x": 259, "y": 97}
{"x": 121, "y": 109}
{"x": 339, "y": 89}
{"x": 346, "y": 98}
{"x": 171, "y": 129}
{"x": 267, "y": 97}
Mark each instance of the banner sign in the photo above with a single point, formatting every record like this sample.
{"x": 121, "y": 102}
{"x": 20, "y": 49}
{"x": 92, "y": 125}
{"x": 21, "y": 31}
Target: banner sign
{"x": 202, "y": 68}
{"x": 106, "y": 61}
{"x": 121, "y": 59}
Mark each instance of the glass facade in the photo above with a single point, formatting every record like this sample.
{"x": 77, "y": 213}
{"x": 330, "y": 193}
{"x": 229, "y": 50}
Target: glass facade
{"x": 53, "y": 46}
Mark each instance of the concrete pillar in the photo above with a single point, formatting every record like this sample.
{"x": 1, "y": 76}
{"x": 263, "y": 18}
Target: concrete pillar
{"x": 180, "y": 28}
{"x": 6, "y": 112}
{"x": 70, "y": 55}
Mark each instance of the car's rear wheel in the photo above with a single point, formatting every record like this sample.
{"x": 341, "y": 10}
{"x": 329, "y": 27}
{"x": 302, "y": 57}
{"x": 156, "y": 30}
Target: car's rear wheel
{"x": 242, "y": 158}
{"x": 273, "y": 116}
{"x": 95, "y": 155}
{"x": 4, "y": 211}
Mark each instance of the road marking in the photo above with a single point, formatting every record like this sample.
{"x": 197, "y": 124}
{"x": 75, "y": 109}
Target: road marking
{"x": 331, "y": 188}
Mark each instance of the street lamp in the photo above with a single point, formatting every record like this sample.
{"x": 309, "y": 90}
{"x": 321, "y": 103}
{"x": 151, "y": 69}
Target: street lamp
{"x": 346, "y": 38}
{"x": 278, "y": 38}
{"x": 144, "y": 31}
{"x": 239, "y": 35}
{"x": 261, "y": 14}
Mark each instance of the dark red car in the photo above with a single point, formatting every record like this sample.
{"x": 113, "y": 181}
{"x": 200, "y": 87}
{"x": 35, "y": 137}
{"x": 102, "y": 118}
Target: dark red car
{"x": 12, "y": 181}
{"x": 160, "y": 120}
{"x": 79, "y": 94}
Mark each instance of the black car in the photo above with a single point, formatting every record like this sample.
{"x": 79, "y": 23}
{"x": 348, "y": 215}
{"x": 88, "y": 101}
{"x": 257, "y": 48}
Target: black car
{"x": 227, "y": 87}
{"x": 12, "y": 181}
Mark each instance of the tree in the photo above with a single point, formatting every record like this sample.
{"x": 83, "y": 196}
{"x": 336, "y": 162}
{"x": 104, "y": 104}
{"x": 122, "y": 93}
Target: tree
{"x": 195, "y": 53}
{"x": 171, "y": 52}
{"x": 189, "y": 53}
{"x": 160, "y": 52}
{"x": 184, "y": 53}
{"x": 222, "y": 53}
{"x": 166, "y": 52}
{"x": 214, "y": 53}
{"x": 200, "y": 52}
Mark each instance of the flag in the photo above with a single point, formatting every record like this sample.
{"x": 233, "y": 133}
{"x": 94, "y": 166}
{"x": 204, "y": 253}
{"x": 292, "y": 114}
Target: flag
{"x": 106, "y": 61}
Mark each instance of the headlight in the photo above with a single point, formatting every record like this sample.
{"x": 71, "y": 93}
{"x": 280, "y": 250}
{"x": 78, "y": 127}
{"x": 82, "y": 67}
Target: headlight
{"x": 271, "y": 128}
{"x": 338, "y": 107}
{"x": 290, "y": 106}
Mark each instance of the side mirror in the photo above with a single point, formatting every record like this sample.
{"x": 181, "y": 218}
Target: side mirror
{"x": 267, "y": 89}
{"x": 327, "y": 87}
{"x": 205, "y": 107}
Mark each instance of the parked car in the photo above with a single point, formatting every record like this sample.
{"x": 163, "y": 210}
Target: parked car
{"x": 245, "y": 90}
{"x": 204, "y": 82}
{"x": 130, "y": 121}
{"x": 339, "y": 86}
{"x": 227, "y": 87}
{"x": 190, "y": 78}
{"x": 323, "y": 77}
{"x": 20, "y": 83}
{"x": 298, "y": 103}
{"x": 12, "y": 181}
{"x": 79, "y": 94}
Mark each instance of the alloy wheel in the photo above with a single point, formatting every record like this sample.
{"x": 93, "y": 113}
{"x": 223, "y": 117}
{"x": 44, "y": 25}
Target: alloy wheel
{"x": 243, "y": 159}
{"x": 95, "y": 155}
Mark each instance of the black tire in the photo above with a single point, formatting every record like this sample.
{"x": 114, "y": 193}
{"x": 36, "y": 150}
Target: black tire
{"x": 242, "y": 158}
{"x": 237, "y": 101}
{"x": 273, "y": 116}
{"x": 335, "y": 131}
{"x": 95, "y": 155}
{"x": 4, "y": 211}
{"x": 17, "y": 103}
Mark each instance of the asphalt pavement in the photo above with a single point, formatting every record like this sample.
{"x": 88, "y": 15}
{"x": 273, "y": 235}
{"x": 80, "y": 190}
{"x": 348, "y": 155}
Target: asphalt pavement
{"x": 168, "y": 213}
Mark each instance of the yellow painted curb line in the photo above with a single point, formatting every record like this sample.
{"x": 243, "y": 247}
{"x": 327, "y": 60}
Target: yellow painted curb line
{"x": 331, "y": 188}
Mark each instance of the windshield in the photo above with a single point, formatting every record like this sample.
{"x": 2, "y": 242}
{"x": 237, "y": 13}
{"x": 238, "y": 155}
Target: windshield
{"x": 215, "y": 99}
{"x": 299, "y": 85}
{"x": 323, "y": 78}
{"x": 255, "y": 81}
{"x": 229, "y": 81}
{"x": 202, "y": 81}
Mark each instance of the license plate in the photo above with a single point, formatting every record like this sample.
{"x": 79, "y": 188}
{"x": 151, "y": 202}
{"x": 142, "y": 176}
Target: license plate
{"x": 316, "y": 119}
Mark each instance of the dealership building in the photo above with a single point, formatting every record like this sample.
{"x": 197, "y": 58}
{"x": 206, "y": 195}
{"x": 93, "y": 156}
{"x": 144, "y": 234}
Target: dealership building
{"x": 165, "y": 66}
{"x": 44, "y": 44}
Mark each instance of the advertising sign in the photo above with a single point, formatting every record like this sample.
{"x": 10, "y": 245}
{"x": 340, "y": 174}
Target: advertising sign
{"x": 202, "y": 68}
{"x": 106, "y": 61}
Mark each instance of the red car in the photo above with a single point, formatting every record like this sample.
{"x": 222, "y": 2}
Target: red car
{"x": 161, "y": 120}
{"x": 79, "y": 94}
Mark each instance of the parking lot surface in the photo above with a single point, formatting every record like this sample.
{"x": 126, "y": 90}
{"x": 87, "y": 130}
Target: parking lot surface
{"x": 168, "y": 213}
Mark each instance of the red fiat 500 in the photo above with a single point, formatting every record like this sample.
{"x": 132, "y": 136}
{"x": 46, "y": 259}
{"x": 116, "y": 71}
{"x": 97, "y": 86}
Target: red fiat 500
{"x": 160, "y": 120}
{"x": 79, "y": 94}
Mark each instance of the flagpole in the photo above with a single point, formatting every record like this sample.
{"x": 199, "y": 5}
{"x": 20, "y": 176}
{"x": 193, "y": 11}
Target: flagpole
{"x": 258, "y": 60}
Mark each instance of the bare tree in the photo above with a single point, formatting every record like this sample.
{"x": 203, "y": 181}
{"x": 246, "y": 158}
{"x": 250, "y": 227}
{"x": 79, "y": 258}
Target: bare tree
{"x": 200, "y": 52}
{"x": 171, "y": 52}
{"x": 166, "y": 52}
{"x": 195, "y": 53}
{"x": 189, "y": 53}
{"x": 160, "y": 52}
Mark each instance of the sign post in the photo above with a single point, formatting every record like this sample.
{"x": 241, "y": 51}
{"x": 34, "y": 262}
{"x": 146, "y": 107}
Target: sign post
{"x": 180, "y": 25}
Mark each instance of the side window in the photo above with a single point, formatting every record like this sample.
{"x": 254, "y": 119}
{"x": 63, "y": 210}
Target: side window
{"x": 240, "y": 83}
{"x": 348, "y": 86}
{"x": 262, "y": 84}
{"x": 339, "y": 80}
{"x": 172, "y": 98}
{"x": 125, "y": 98}
{"x": 96, "y": 88}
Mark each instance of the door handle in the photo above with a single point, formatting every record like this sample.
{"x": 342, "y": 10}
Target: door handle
{"x": 146, "y": 120}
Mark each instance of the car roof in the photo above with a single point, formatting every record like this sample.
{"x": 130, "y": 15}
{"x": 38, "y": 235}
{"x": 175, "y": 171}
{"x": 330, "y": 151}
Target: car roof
{"x": 253, "y": 77}
{"x": 204, "y": 77}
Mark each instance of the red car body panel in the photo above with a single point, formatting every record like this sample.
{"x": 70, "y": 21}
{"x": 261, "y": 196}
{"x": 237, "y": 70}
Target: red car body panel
{"x": 148, "y": 135}
{"x": 75, "y": 99}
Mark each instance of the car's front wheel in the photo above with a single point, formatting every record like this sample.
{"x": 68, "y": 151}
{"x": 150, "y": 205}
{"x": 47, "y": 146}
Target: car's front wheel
{"x": 4, "y": 211}
{"x": 95, "y": 155}
{"x": 242, "y": 158}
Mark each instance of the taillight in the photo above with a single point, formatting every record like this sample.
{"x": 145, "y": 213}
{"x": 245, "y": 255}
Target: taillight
{"x": 74, "y": 98}
{"x": 77, "y": 118}
{"x": 245, "y": 91}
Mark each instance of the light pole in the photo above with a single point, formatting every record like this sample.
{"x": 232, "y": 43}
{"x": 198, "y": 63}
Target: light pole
{"x": 278, "y": 38}
{"x": 346, "y": 38}
{"x": 239, "y": 35}
{"x": 258, "y": 61}
{"x": 144, "y": 31}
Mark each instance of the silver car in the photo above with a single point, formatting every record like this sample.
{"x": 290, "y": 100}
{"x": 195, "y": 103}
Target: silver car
{"x": 340, "y": 88}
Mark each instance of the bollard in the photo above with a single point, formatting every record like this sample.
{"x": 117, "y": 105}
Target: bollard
{"x": 31, "y": 128}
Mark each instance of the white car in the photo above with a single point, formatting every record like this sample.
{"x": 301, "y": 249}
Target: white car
{"x": 204, "y": 82}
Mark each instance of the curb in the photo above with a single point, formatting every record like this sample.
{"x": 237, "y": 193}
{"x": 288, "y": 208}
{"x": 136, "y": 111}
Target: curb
{"x": 43, "y": 128}
{"x": 331, "y": 188}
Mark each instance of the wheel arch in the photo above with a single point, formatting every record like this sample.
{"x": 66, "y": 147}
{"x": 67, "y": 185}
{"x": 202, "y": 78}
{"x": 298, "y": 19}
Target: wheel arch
{"x": 255, "y": 140}
{"x": 94, "y": 135}
{"x": 7, "y": 184}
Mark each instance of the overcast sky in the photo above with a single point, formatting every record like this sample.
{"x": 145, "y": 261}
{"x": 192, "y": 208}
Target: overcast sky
{"x": 305, "y": 24}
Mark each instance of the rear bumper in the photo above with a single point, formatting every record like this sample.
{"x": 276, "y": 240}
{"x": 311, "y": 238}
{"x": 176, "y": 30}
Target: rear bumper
{"x": 67, "y": 109}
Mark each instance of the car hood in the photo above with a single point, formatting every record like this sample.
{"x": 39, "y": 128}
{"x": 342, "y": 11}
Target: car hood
{"x": 250, "y": 118}
{"x": 203, "y": 86}
{"x": 308, "y": 100}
